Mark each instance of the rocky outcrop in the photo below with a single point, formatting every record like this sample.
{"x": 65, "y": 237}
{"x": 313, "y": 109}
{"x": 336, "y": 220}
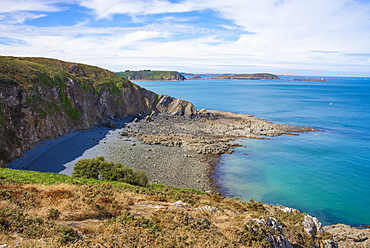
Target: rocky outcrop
{"x": 44, "y": 98}
{"x": 312, "y": 226}
{"x": 274, "y": 232}
{"x": 348, "y": 236}
{"x": 206, "y": 131}
{"x": 171, "y": 106}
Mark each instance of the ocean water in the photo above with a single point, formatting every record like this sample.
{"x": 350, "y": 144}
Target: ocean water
{"x": 325, "y": 174}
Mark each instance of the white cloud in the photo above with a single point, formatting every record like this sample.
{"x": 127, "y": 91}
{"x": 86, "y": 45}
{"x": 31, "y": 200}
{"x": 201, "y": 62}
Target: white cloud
{"x": 331, "y": 35}
{"x": 28, "y": 5}
{"x": 18, "y": 17}
{"x": 106, "y": 8}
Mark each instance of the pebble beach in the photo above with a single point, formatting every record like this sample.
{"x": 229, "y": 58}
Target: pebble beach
{"x": 165, "y": 165}
{"x": 174, "y": 150}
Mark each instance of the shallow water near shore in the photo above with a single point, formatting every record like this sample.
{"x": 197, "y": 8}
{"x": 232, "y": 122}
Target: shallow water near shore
{"x": 325, "y": 173}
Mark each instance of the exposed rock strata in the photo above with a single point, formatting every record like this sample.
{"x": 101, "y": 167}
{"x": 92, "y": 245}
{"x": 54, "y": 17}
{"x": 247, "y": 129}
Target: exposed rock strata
{"x": 44, "y": 98}
{"x": 206, "y": 132}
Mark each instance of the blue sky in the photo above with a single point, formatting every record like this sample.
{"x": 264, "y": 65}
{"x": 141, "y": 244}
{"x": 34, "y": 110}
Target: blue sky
{"x": 315, "y": 37}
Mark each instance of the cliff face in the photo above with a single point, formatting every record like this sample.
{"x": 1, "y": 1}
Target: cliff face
{"x": 46, "y": 98}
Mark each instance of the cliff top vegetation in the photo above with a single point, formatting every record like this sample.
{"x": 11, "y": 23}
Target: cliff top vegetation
{"x": 47, "y": 209}
{"x": 28, "y": 71}
{"x": 151, "y": 75}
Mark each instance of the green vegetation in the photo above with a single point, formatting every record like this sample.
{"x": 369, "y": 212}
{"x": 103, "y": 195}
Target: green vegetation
{"x": 151, "y": 75}
{"x": 85, "y": 87}
{"x": 158, "y": 98}
{"x": 255, "y": 76}
{"x": 72, "y": 113}
{"x": 51, "y": 72}
{"x": 129, "y": 219}
{"x": 48, "y": 210}
{"x": 33, "y": 99}
{"x": 34, "y": 227}
{"x": 36, "y": 75}
{"x": 2, "y": 117}
{"x": 98, "y": 168}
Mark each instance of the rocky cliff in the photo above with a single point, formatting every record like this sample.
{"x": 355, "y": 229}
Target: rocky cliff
{"x": 46, "y": 98}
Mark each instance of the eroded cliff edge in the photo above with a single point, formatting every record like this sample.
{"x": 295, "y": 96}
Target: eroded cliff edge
{"x": 44, "y": 98}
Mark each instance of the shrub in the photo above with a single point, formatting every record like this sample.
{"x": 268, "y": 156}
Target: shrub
{"x": 98, "y": 168}
{"x": 53, "y": 214}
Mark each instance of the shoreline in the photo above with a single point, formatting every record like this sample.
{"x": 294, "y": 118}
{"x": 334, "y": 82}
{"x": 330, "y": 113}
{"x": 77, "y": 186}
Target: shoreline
{"x": 162, "y": 163}
{"x": 175, "y": 150}
{"x": 176, "y": 160}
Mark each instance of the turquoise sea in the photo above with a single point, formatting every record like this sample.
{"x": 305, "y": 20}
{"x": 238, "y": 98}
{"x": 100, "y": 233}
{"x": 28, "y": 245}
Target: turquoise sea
{"x": 325, "y": 174}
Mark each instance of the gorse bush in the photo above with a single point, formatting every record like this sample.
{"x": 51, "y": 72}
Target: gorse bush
{"x": 98, "y": 168}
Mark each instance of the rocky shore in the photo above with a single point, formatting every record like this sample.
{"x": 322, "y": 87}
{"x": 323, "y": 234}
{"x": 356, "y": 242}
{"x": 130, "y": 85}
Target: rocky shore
{"x": 206, "y": 132}
{"x": 348, "y": 236}
{"x": 180, "y": 150}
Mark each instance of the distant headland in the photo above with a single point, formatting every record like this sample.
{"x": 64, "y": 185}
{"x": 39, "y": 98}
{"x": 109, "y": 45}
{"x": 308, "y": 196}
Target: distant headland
{"x": 177, "y": 76}
{"x": 253, "y": 76}
{"x": 152, "y": 75}
{"x": 256, "y": 76}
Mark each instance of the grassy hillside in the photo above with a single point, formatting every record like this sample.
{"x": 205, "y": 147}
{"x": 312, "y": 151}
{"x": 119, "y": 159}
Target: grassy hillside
{"x": 28, "y": 71}
{"x": 151, "y": 75}
{"x": 47, "y": 210}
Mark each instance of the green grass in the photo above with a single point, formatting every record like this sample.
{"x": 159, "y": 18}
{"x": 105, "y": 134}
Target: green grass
{"x": 158, "y": 191}
{"x": 158, "y": 98}
{"x": 2, "y": 117}
{"x": 48, "y": 178}
{"x": 85, "y": 87}
{"x": 151, "y": 75}
{"x": 72, "y": 113}
{"x": 51, "y": 72}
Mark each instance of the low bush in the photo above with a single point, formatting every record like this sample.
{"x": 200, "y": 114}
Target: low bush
{"x": 98, "y": 168}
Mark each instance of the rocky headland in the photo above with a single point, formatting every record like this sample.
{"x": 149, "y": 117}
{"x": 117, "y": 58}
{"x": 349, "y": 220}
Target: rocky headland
{"x": 264, "y": 76}
{"x": 254, "y": 76}
{"x": 44, "y": 98}
{"x": 152, "y": 75}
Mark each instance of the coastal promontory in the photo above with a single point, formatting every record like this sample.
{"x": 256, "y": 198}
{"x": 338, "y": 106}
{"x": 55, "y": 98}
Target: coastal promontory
{"x": 174, "y": 142}
{"x": 43, "y": 98}
{"x": 255, "y": 76}
{"x": 152, "y": 75}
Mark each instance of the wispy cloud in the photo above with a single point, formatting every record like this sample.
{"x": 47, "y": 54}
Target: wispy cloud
{"x": 28, "y": 5}
{"x": 18, "y": 17}
{"x": 105, "y": 9}
{"x": 195, "y": 35}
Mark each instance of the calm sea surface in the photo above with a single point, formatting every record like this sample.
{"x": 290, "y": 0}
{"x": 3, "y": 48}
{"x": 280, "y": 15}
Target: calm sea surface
{"x": 325, "y": 174}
